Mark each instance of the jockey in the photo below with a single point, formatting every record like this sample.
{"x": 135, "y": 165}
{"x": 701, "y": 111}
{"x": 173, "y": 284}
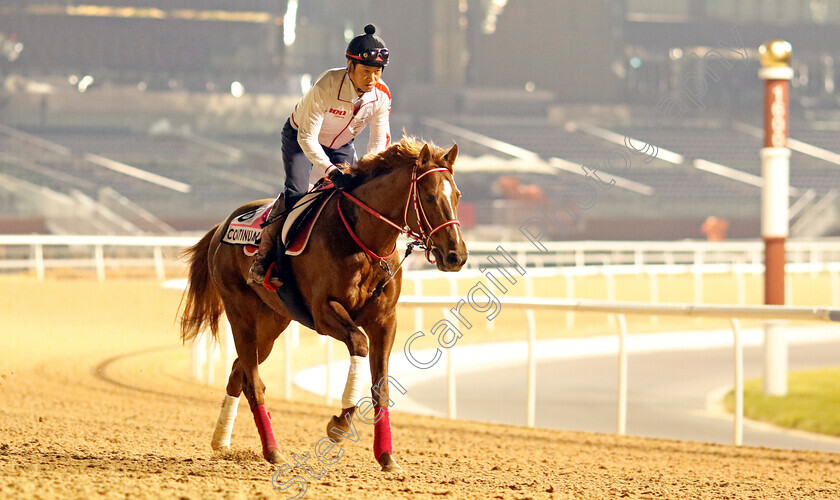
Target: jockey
{"x": 321, "y": 129}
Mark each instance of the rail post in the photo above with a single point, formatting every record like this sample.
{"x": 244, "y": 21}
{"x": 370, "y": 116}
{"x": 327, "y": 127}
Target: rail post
{"x": 450, "y": 379}
{"x": 160, "y": 268}
{"x": 197, "y": 356}
{"x": 739, "y": 381}
{"x": 99, "y": 258}
{"x": 418, "y": 311}
{"x": 775, "y": 170}
{"x": 39, "y": 261}
{"x": 622, "y": 374}
{"x": 569, "y": 278}
{"x": 210, "y": 357}
{"x": 227, "y": 346}
{"x": 532, "y": 368}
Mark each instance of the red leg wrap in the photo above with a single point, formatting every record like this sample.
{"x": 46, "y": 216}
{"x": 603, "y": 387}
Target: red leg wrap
{"x": 382, "y": 434}
{"x": 263, "y": 420}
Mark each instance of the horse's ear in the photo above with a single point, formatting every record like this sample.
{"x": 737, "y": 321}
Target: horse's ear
{"x": 423, "y": 157}
{"x": 450, "y": 156}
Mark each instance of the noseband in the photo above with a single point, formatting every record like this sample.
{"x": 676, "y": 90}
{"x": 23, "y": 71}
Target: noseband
{"x": 422, "y": 239}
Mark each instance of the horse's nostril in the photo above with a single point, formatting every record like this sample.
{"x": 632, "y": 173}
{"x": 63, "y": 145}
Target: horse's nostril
{"x": 453, "y": 258}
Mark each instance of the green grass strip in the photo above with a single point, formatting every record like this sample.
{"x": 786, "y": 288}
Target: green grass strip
{"x": 812, "y": 403}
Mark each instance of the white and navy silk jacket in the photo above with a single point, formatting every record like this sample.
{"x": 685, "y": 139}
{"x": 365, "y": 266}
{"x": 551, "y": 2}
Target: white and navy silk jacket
{"x": 324, "y": 116}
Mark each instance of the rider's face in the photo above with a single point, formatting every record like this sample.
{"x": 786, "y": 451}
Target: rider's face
{"x": 364, "y": 77}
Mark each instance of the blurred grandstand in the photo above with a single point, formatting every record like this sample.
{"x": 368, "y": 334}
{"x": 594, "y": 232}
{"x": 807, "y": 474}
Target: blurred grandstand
{"x": 120, "y": 117}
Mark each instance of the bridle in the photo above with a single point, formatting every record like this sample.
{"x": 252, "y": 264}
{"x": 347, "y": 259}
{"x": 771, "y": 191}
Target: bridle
{"x": 421, "y": 239}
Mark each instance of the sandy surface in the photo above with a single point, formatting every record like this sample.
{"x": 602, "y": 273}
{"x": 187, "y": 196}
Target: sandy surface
{"x": 95, "y": 401}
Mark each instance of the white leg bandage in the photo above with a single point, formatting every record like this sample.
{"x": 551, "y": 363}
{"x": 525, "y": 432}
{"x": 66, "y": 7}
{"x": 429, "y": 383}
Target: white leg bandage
{"x": 224, "y": 426}
{"x": 358, "y": 373}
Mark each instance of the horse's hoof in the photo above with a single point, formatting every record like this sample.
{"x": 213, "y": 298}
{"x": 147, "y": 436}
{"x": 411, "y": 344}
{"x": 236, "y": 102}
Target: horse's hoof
{"x": 332, "y": 425}
{"x": 388, "y": 464}
{"x": 275, "y": 457}
{"x": 220, "y": 448}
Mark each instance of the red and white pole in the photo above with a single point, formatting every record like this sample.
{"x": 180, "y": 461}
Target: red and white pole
{"x": 775, "y": 170}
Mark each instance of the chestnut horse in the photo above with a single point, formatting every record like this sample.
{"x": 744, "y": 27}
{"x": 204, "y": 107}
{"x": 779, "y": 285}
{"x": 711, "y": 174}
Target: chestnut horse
{"x": 345, "y": 278}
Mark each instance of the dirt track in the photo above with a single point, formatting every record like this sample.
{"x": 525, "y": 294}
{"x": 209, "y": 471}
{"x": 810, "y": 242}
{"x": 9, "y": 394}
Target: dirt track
{"x": 94, "y": 400}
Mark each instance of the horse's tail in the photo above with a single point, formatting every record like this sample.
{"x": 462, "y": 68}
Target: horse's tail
{"x": 203, "y": 306}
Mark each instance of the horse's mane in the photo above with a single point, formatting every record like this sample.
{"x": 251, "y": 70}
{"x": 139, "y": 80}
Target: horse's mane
{"x": 402, "y": 154}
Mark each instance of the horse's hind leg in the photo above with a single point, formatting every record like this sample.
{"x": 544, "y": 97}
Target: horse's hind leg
{"x": 227, "y": 415}
{"x": 254, "y": 339}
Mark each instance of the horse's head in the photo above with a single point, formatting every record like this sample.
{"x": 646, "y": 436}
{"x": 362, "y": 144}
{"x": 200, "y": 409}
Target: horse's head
{"x": 436, "y": 207}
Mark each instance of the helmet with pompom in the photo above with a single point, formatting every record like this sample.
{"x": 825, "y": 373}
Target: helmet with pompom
{"x": 368, "y": 49}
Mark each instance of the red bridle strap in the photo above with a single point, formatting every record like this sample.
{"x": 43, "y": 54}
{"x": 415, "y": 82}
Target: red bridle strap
{"x": 453, "y": 222}
{"x": 358, "y": 241}
{"x": 371, "y": 211}
{"x": 414, "y": 196}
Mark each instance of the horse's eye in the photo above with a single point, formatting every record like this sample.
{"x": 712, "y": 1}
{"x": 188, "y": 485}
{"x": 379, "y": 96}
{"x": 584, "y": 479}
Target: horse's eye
{"x": 430, "y": 198}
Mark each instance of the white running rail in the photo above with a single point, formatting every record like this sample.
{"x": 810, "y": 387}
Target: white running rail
{"x": 620, "y": 310}
{"x": 38, "y": 252}
{"x": 28, "y": 252}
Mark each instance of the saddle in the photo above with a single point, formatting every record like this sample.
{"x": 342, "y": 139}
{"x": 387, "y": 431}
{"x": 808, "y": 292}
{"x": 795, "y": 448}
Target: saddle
{"x": 246, "y": 229}
{"x": 297, "y": 228}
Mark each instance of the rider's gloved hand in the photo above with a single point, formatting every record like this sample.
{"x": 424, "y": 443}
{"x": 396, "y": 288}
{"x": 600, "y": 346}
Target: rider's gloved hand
{"x": 339, "y": 178}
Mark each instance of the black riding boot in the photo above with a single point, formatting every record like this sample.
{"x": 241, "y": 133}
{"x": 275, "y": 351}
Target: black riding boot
{"x": 265, "y": 253}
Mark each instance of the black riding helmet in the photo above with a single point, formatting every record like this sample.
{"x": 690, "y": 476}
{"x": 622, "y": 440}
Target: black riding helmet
{"x": 368, "y": 49}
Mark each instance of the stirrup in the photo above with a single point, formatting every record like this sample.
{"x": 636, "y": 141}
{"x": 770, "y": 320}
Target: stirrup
{"x": 264, "y": 279}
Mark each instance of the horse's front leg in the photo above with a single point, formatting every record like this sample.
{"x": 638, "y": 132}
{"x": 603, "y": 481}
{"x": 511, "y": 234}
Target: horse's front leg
{"x": 333, "y": 320}
{"x": 381, "y": 335}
